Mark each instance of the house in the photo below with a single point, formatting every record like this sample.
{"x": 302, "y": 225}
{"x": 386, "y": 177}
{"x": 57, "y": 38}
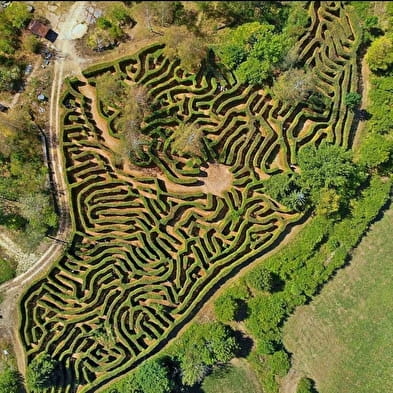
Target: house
{"x": 42, "y": 30}
{"x": 38, "y": 28}
{"x": 3, "y": 108}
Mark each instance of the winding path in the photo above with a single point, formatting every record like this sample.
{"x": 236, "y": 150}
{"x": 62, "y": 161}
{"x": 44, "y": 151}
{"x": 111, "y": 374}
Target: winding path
{"x": 12, "y": 290}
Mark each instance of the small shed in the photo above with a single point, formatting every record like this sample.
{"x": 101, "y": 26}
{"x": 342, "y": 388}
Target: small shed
{"x": 42, "y": 97}
{"x": 38, "y": 28}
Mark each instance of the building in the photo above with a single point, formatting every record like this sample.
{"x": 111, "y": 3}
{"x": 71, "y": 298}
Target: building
{"x": 43, "y": 31}
{"x": 38, "y": 28}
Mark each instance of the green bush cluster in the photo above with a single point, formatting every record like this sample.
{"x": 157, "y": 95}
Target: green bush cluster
{"x": 303, "y": 267}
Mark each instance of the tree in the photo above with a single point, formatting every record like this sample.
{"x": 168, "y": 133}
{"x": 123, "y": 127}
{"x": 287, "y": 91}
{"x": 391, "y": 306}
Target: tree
{"x": 379, "y": 55}
{"x": 187, "y": 139}
{"x": 9, "y": 381}
{"x": 293, "y": 86}
{"x": 260, "y": 279}
{"x": 17, "y": 14}
{"x": 285, "y": 188}
{"x": 111, "y": 90}
{"x": 253, "y": 50}
{"x": 41, "y": 372}
{"x": 10, "y": 75}
{"x": 328, "y": 166}
{"x": 38, "y": 211}
{"x": 225, "y": 308}
{"x": 31, "y": 43}
{"x": 203, "y": 346}
{"x": 152, "y": 377}
{"x": 329, "y": 202}
{"x": 352, "y": 100}
{"x": 182, "y": 44}
{"x": 376, "y": 151}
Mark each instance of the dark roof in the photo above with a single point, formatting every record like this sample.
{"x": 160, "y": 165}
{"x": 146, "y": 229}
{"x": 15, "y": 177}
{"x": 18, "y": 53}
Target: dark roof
{"x": 38, "y": 28}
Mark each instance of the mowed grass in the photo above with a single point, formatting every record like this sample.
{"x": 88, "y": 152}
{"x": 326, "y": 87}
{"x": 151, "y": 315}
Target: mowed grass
{"x": 344, "y": 338}
{"x": 238, "y": 378}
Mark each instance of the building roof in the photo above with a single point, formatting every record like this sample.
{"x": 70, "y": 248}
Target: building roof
{"x": 38, "y": 28}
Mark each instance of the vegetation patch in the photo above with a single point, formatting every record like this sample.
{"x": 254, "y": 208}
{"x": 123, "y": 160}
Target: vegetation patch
{"x": 149, "y": 246}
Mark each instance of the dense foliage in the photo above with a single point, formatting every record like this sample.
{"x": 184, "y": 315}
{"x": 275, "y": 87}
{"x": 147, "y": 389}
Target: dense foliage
{"x": 253, "y": 50}
{"x": 25, "y": 203}
{"x": 10, "y": 381}
{"x": 306, "y": 385}
{"x": 41, "y": 372}
{"x": 302, "y": 267}
{"x": 152, "y": 377}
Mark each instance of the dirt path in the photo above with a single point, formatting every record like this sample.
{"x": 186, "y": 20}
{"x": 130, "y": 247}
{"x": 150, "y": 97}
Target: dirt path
{"x": 365, "y": 84}
{"x": 290, "y": 381}
{"x": 67, "y": 62}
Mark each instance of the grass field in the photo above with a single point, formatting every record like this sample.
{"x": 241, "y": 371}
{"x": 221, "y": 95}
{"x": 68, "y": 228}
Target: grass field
{"x": 343, "y": 339}
{"x": 239, "y": 378}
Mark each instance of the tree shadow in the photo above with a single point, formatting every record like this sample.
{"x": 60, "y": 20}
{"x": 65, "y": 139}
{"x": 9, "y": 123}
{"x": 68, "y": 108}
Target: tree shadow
{"x": 245, "y": 344}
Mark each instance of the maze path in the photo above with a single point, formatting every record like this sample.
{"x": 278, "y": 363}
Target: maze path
{"x": 149, "y": 243}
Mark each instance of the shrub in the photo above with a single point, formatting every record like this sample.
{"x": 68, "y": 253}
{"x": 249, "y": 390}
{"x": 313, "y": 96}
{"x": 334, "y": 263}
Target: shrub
{"x": 260, "y": 279}
{"x": 225, "y": 308}
{"x": 306, "y": 385}
{"x": 352, "y": 100}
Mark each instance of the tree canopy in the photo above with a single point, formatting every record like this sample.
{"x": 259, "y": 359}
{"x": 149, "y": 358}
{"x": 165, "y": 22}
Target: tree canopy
{"x": 201, "y": 347}
{"x": 379, "y": 55}
{"x": 152, "y": 377}
{"x": 183, "y": 44}
{"x": 260, "y": 279}
{"x": 41, "y": 372}
{"x": 253, "y": 50}
{"x": 328, "y": 167}
{"x": 225, "y": 308}
{"x": 9, "y": 381}
{"x": 293, "y": 86}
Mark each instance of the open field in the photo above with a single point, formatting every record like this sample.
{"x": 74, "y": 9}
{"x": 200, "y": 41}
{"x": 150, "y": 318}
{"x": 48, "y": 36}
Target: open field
{"x": 151, "y": 242}
{"x": 238, "y": 378}
{"x": 343, "y": 338}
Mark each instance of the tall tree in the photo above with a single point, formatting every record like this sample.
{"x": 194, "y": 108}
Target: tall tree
{"x": 152, "y": 377}
{"x": 41, "y": 372}
{"x": 9, "y": 381}
{"x": 293, "y": 86}
{"x": 181, "y": 43}
{"x": 253, "y": 50}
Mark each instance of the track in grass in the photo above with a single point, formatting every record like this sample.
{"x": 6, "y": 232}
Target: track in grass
{"x": 152, "y": 242}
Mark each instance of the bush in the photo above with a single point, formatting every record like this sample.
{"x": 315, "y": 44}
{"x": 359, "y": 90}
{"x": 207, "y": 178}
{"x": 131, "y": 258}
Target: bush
{"x": 225, "y": 308}
{"x": 306, "y": 385}
{"x": 352, "y": 100}
{"x": 260, "y": 279}
{"x": 9, "y": 381}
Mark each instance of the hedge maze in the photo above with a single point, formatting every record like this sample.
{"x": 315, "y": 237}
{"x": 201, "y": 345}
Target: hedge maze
{"x": 152, "y": 241}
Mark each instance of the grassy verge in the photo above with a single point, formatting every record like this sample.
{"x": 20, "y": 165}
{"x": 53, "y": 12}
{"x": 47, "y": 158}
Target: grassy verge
{"x": 347, "y": 328}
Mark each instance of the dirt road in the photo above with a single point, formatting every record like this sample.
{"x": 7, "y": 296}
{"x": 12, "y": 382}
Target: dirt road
{"x": 68, "y": 62}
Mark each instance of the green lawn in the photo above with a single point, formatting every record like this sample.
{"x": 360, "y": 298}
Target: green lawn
{"x": 237, "y": 379}
{"x": 344, "y": 338}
